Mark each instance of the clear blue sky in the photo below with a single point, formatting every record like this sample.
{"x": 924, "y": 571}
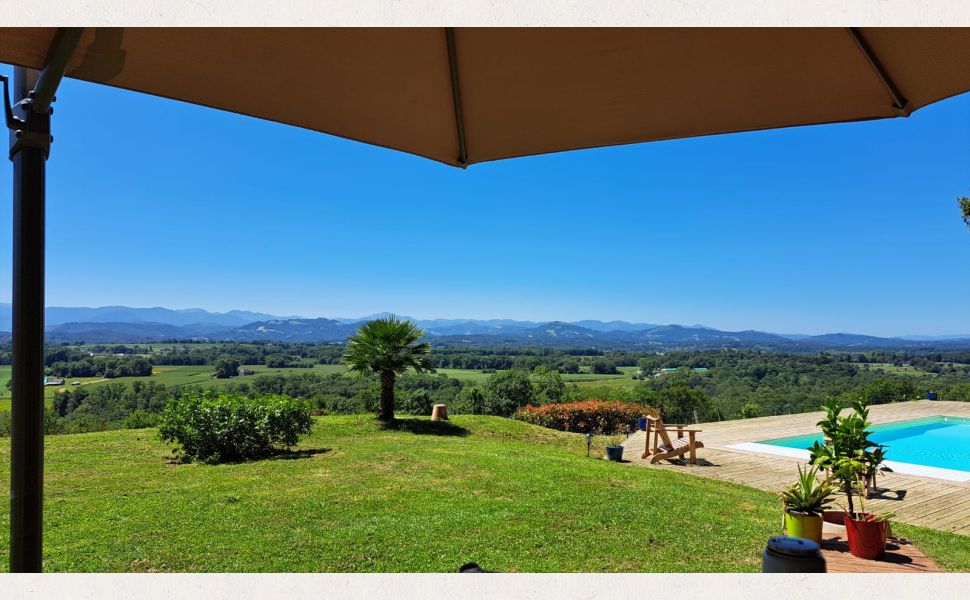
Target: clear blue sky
{"x": 850, "y": 227}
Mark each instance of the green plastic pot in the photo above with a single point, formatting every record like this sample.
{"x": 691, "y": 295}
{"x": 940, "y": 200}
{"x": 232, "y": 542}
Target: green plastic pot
{"x": 804, "y": 525}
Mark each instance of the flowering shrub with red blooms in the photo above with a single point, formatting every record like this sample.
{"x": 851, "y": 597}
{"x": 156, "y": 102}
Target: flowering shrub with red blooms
{"x": 598, "y": 416}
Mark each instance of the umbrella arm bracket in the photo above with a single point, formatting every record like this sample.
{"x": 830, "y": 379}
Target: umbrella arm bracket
{"x": 33, "y": 131}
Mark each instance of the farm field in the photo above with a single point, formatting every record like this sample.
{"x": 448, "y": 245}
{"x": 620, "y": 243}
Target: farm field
{"x": 581, "y": 379}
{"x": 200, "y": 375}
{"x": 894, "y": 369}
{"x": 355, "y": 497}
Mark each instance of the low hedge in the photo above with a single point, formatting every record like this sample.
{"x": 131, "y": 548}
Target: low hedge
{"x": 217, "y": 427}
{"x": 596, "y": 416}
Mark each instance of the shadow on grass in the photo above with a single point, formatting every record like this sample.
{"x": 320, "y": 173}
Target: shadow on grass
{"x": 275, "y": 455}
{"x": 424, "y": 427}
{"x": 294, "y": 454}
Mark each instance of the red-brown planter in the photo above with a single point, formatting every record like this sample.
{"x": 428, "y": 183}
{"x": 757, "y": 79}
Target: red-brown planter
{"x": 867, "y": 538}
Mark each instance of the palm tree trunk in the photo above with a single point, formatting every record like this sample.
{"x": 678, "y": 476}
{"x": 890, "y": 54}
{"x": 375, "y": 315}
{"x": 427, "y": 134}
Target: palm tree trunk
{"x": 386, "y": 411}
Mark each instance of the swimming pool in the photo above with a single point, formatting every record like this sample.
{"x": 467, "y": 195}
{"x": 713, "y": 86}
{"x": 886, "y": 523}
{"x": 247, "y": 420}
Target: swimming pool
{"x": 932, "y": 446}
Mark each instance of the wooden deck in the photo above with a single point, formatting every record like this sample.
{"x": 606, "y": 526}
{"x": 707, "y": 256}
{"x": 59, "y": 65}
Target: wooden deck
{"x": 900, "y": 557}
{"x": 923, "y": 501}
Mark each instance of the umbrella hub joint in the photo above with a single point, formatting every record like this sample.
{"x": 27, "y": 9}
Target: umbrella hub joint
{"x": 33, "y": 130}
{"x": 904, "y": 109}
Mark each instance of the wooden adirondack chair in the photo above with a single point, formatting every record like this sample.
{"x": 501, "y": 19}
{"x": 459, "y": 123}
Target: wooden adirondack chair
{"x": 663, "y": 447}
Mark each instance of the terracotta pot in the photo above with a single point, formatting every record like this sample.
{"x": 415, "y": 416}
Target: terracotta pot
{"x": 867, "y": 538}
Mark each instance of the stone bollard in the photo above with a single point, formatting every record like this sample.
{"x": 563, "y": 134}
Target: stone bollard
{"x": 439, "y": 413}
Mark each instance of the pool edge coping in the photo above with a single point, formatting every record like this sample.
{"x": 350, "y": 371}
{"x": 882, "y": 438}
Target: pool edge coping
{"x": 900, "y": 468}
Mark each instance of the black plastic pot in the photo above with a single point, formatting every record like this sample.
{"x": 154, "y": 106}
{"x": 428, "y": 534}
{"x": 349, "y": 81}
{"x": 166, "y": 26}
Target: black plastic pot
{"x": 614, "y": 453}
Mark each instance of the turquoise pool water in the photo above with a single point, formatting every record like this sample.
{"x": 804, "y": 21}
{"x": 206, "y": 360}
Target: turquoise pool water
{"x": 942, "y": 442}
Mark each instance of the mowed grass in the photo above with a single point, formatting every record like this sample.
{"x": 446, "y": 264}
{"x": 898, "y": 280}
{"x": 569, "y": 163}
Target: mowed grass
{"x": 506, "y": 494}
{"x": 358, "y": 498}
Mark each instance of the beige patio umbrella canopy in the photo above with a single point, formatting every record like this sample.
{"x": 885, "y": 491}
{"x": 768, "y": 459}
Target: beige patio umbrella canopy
{"x": 472, "y": 95}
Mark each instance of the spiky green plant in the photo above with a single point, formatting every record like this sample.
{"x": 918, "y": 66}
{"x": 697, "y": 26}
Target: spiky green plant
{"x": 387, "y": 347}
{"x": 808, "y": 495}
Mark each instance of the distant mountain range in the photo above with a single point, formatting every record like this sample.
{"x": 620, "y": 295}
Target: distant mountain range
{"x": 57, "y": 315}
{"x": 124, "y": 324}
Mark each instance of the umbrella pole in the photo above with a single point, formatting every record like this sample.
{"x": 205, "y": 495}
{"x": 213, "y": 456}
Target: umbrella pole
{"x": 27, "y": 408}
{"x": 30, "y": 138}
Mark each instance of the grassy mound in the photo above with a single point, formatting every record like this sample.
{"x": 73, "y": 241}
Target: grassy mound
{"x": 421, "y": 496}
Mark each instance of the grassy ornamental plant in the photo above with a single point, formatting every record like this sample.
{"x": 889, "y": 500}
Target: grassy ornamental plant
{"x": 615, "y": 441}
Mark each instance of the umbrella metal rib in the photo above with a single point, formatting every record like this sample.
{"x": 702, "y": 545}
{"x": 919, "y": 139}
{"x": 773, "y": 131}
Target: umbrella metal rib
{"x": 900, "y": 103}
{"x": 456, "y": 94}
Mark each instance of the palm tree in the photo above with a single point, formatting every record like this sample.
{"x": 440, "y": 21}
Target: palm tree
{"x": 388, "y": 347}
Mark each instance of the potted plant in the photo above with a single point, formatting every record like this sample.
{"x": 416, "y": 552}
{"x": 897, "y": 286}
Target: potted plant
{"x": 852, "y": 459}
{"x": 804, "y": 502}
{"x": 614, "y": 448}
{"x": 866, "y": 532}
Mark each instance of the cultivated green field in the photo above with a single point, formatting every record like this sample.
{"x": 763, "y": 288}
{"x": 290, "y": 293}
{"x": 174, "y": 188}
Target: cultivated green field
{"x": 508, "y": 495}
{"x": 200, "y": 375}
{"x": 891, "y": 368}
{"x": 625, "y": 379}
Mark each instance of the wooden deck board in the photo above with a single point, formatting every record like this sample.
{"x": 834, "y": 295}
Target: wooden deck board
{"x": 900, "y": 556}
{"x": 922, "y": 501}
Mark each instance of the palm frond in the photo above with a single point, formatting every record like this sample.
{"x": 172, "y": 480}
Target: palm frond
{"x": 387, "y": 344}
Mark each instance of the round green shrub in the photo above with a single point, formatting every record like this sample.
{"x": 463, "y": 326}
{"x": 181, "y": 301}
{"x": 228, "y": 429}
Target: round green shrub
{"x": 218, "y": 427}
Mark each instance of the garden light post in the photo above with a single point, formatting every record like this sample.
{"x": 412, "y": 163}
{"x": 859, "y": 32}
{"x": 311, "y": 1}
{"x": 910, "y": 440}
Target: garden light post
{"x": 589, "y": 441}
{"x": 30, "y": 138}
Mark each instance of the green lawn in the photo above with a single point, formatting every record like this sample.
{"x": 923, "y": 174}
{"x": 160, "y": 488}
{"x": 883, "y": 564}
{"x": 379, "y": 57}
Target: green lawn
{"x": 508, "y": 495}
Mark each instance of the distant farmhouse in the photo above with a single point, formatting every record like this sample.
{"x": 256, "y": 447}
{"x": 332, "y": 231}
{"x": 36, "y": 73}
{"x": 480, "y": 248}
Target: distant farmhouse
{"x": 668, "y": 370}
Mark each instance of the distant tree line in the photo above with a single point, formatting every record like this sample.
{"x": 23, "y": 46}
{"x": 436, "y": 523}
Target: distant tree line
{"x": 70, "y": 362}
{"x": 735, "y": 384}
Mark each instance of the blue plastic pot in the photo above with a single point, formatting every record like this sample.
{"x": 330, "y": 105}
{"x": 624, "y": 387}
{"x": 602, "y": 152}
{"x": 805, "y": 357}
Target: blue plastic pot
{"x": 642, "y": 423}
